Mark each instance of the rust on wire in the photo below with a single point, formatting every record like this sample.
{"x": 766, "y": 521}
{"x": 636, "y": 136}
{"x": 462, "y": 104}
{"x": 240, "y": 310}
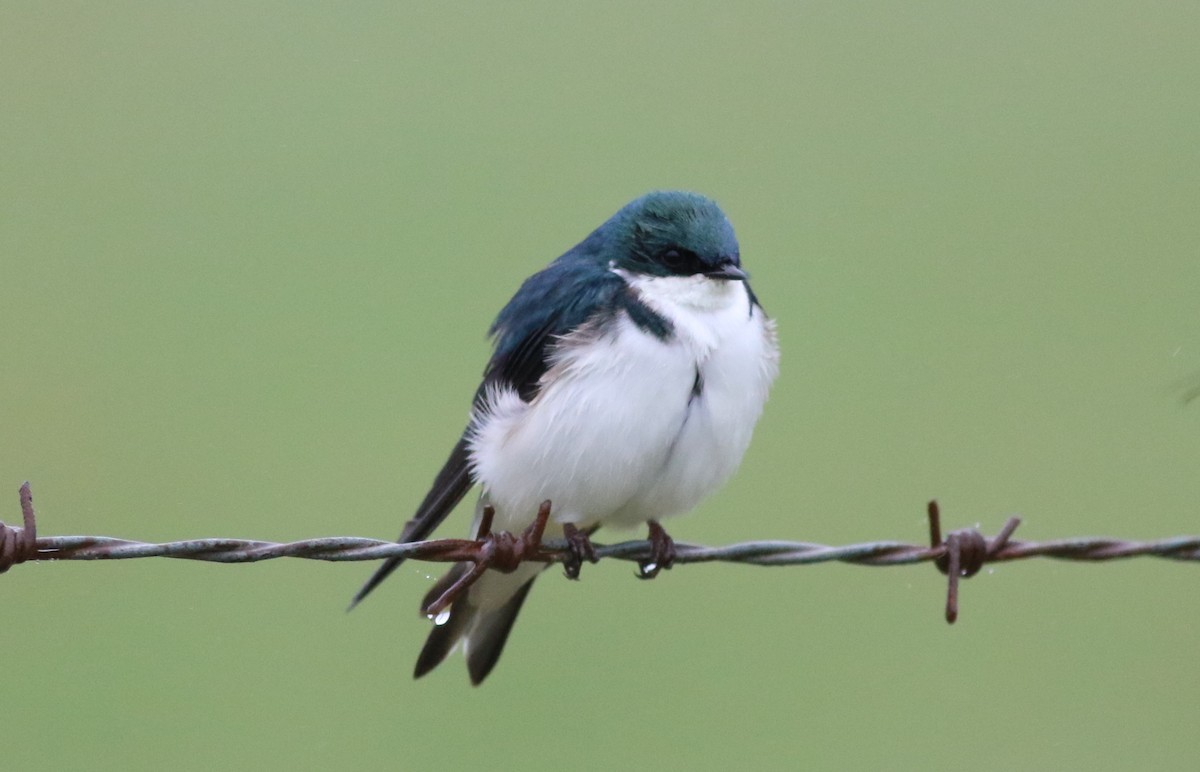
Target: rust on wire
{"x": 19, "y": 544}
{"x": 500, "y": 551}
{"x": 964, "y": 552}
{"x": 959, "y": 555}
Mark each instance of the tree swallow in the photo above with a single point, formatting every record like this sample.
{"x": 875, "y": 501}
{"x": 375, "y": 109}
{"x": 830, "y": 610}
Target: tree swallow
{"x": 626, "y": 381}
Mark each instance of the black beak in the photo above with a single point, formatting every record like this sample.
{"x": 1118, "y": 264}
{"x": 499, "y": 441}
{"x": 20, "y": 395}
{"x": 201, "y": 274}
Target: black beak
{"x": 729, "y": 272}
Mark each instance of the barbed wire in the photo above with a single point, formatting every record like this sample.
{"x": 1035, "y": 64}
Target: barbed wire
{"x": 961, "y": 554}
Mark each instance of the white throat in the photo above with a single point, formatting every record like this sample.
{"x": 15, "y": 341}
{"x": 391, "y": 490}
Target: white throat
{"x": 693, "y": 293}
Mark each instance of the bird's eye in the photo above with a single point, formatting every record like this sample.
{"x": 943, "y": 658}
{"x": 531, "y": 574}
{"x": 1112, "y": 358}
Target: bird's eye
{"x": 677, "y": 259}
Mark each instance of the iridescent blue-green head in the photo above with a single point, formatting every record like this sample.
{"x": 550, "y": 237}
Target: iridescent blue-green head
{"x": 671, "y": 233}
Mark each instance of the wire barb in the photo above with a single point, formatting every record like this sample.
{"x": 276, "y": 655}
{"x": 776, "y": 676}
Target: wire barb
{"x": 19, "y": 544}
{"x": 962, "y": 553}
{"x": 500, "y": 551}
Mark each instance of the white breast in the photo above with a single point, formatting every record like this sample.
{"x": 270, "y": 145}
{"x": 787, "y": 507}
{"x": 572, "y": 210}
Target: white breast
{"x": 616, "y": 435}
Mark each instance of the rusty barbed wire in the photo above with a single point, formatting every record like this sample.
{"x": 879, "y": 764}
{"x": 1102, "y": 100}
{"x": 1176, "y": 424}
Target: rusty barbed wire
{"x": 961, "y": 554}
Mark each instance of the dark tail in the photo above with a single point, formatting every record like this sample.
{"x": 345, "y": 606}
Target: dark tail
{"x": 483, "y": 631}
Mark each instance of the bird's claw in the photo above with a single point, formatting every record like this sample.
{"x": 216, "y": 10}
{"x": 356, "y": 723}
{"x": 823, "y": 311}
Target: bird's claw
{"x": 662, "y": 552}
{"x": 579, "y": 549}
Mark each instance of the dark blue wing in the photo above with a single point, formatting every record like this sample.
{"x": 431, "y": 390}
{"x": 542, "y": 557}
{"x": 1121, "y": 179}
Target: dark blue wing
{"x": 549, "y": 304}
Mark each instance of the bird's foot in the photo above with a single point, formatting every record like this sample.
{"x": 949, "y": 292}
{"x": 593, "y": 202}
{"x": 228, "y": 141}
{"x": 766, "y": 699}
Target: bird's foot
{"x": 579, "y": 549}
{"x": 501, "y": 551}
{"x": 662, "y": 552}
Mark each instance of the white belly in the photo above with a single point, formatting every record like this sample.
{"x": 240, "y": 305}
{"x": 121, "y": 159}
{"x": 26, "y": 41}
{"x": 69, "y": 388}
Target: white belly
{"x": 616, "y": 436}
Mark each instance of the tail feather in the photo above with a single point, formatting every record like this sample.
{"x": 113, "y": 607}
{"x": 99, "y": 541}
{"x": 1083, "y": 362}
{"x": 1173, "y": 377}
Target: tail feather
{"x": 488, "y": 635}
{"x": 443, "y": 637}
{"x": 441, "y": 641}
{"x": 483, "y": 631}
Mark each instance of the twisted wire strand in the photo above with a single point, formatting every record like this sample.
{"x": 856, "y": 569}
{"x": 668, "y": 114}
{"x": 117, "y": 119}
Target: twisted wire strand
{"x": 960, "y": 554}
{"x": 759, "y": 553}
{"x": 762, "y": 553}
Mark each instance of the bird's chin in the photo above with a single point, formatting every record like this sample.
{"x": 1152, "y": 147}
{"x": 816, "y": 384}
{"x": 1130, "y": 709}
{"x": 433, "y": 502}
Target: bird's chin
{"x": 699, "y": 292}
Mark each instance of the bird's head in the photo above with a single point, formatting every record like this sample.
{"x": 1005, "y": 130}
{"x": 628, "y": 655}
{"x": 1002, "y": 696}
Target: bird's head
{"x": 671, "y": 233}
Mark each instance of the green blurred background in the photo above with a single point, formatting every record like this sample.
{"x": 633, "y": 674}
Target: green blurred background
{"x": 248, "y": 252}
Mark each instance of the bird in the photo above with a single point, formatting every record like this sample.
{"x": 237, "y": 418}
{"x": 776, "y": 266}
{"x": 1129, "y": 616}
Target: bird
{"x": 625, "y": 382}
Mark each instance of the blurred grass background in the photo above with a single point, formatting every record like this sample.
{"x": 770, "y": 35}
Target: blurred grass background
{"x": 248, "y": 252}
